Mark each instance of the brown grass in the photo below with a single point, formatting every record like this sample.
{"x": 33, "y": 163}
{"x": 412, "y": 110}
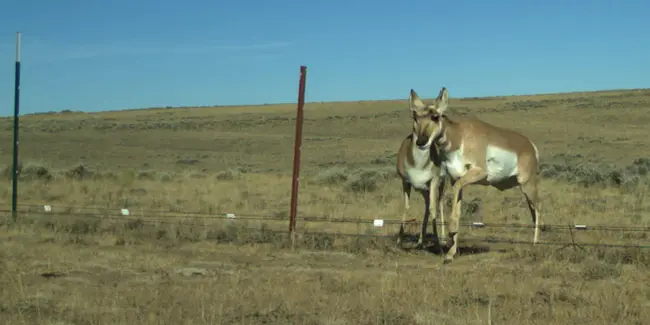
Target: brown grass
{"x": 83, "y": 263}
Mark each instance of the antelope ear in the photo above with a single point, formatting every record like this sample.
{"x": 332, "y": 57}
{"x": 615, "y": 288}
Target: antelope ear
{"x": 442, "y": 100}
{"x": 415, "y": 104}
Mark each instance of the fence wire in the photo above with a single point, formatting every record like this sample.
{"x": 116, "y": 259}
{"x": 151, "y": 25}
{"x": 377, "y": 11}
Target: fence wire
{"x": 67, "y": 210}
{"x": 158, "y": 217}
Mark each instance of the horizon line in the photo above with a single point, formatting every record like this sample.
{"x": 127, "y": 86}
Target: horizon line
{"x": 334, "y": 102}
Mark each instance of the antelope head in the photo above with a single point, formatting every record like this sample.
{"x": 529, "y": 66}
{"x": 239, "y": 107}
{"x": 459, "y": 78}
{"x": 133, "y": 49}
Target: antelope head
{"x": 427, "y": 124}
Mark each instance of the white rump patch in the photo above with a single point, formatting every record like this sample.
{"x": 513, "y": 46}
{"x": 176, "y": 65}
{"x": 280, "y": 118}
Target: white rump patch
{"x": 536, "y": 151}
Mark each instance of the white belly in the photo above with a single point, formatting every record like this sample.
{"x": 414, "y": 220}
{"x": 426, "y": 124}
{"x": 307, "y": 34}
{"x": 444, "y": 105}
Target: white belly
{"x": 455, "y": 164}
{"x": 501, "y": 164}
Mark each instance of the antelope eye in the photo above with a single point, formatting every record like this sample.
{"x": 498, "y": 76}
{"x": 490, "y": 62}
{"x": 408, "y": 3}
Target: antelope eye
{"x": 435, "y": 117}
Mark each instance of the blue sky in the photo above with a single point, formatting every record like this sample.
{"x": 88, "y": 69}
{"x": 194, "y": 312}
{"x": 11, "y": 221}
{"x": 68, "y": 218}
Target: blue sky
{"x": 102, "y": 55}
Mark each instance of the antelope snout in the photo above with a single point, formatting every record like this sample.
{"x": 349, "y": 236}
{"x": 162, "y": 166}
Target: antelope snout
{"x": 422, "y": 142}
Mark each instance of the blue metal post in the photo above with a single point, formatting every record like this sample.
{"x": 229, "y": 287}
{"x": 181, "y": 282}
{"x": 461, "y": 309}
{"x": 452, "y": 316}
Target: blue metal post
{"x": 14, "y": 189}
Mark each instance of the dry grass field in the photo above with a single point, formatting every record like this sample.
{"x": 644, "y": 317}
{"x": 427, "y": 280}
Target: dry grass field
{"x": 83, "y": 263}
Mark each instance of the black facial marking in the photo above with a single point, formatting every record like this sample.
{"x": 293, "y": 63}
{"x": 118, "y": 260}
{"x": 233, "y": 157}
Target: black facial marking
{"x": 433, "y": 114}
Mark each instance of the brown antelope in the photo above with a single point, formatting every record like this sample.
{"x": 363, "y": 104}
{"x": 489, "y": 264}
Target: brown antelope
{"x": 475, "y": 152}
{"x": 418, "y": 165}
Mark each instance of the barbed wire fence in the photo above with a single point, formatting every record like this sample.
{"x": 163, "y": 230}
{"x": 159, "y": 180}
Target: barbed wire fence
{"x": 50, "y": 212}
{"x": 53, "y": 212}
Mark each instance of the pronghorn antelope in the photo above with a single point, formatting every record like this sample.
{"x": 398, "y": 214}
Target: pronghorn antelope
{"x": 418, "y": 165}
{"x": 475, "y": 152}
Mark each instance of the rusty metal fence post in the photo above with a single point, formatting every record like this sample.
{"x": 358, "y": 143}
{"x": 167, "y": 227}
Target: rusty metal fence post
{"x": 296, "y": 155}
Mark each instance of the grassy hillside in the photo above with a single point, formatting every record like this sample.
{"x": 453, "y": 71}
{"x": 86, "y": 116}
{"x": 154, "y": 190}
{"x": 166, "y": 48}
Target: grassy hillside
{"x": 595, "y": 161}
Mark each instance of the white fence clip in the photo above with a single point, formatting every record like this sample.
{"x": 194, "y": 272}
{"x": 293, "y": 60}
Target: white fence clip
{"x": 478, "y": 224}
{"x": 378, "y": 222}
{"x": 581, "y": 227}
{"x": 230, "y": 215}
{"x": 47, "y": 208}
{"x": 125, "y": 212}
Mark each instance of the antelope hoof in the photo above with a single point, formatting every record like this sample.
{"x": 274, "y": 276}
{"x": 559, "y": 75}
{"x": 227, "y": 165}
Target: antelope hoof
{"x": 448, "y": 260}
